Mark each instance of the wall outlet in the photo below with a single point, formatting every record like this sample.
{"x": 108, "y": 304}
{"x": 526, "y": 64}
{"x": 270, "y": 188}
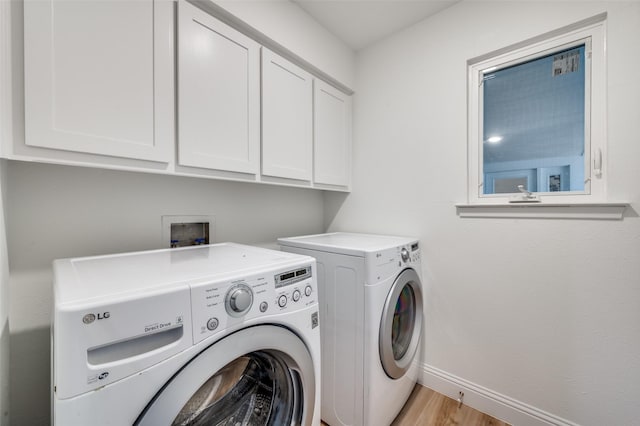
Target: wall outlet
{"x": 182, "y": 231}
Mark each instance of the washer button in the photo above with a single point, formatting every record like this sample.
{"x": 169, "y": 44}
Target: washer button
{"x": 296, "y": 295}
{"x": 308, "y": 290}
{"x": 282, "y": 301}
{"x": 212, "y": 324}
{"x": 264, "y": 306}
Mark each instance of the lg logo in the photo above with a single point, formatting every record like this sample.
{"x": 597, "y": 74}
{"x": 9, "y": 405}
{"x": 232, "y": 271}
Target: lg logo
{"x": 89, "y": 318}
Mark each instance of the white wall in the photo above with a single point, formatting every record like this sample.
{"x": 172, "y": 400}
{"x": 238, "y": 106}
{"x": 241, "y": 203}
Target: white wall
{"x": 59, "y": 211}
{"x": 287, "y": 24}
{"x": 4, "y": 307}
{"x": 544, "y": 312}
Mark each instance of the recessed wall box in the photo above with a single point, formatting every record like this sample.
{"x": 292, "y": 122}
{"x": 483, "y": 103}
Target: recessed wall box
{"x": 181, "y": 231}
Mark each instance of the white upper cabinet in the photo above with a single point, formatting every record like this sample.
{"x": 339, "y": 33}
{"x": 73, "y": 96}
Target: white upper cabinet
{"x": 332, "y": 136}
{"x": 174, "y": 87}
{"x": 219, "y": 94}
{"x": 99, "y": 77}
{"x": 287, "y": 99}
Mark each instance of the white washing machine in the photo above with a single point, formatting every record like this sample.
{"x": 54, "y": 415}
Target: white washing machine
{"x": 209, "y": 335}
{"x": 371, "y": 323}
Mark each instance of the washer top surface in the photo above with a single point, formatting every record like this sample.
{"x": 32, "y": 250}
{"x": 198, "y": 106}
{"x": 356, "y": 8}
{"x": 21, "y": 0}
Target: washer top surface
{"x": 347, "y": 243}
{"x": 97, "y": 277}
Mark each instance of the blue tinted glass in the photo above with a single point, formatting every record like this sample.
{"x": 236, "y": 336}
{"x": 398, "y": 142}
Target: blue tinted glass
{"x": 533, "y": 124}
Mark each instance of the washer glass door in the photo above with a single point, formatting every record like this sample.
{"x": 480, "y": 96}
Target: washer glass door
{"x": 261, "y": 375}
{"x": 401, "y": 324}
{"x": 255, "y": 389}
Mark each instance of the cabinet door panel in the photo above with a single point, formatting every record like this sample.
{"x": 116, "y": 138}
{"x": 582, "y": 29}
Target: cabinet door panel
{"x": 287, "y": 119}
{"x": 332, "y": 136}
{"x": 219, "y": 104}
{"x": 90, "y": 80}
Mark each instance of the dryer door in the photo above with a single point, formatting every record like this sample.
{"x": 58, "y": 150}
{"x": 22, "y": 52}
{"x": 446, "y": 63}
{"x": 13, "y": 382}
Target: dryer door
{"x": 261, "y": 375}
{"x": 401, "y": 324}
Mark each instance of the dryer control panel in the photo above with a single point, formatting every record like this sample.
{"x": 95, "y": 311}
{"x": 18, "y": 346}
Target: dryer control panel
{"x": 386, "y": 263}
{"x": 221, "y": 305}
{"x": 410, "y": 253}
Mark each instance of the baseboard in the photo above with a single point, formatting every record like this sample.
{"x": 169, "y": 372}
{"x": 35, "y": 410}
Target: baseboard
{"x": 501, "y": 407}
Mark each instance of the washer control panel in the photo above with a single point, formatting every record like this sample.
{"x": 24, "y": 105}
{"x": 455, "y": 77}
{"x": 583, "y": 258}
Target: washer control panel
{"x": 219, "y": 305}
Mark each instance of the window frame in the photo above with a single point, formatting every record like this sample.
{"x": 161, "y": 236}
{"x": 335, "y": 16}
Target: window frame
{"x": 591, "y": 33}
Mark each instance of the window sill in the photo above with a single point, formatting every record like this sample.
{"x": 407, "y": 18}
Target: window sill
{"x": 603, "y": 211}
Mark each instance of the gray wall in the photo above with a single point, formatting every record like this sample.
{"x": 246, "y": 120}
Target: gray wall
{"x": 544, "y": 312}
{"x": 60, "y": 211}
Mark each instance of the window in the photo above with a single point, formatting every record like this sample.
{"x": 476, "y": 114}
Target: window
{"x": 537, "y": 119}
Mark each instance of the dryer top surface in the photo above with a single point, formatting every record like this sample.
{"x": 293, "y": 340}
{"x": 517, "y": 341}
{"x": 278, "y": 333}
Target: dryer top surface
{"x": 347, "y": 243}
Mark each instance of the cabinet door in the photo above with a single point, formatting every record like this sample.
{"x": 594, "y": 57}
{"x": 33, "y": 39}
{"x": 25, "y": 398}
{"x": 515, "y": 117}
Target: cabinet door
{"x": 286, "y": 118}
{"x": 99, "y": 77}
{"x": 332, "y": 135}
{"x": 218, "y": 94}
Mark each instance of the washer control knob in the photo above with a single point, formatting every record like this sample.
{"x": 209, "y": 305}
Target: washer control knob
{"x": 296, "y": 295}
{"x": 239, "y": 300}
{"x": 404, "y": 254}
{"x": 282, "y": 301}
{"x": 212, "y": 324}
{"x": 308, "y": 290}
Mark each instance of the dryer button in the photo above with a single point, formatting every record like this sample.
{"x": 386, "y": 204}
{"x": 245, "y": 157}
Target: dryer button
{"x": 264, "y": 306}
{"x": 212, "y": 324}
{"x": 308, "y": 290}
{"x": 296, "y": 296}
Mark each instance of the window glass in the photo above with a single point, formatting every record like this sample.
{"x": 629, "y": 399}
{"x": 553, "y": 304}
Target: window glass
{"x": 534, "y": 119}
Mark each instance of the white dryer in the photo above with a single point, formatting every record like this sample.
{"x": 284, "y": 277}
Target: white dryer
{"x": 371, "y": 323}
{"x": 220, "y": 334}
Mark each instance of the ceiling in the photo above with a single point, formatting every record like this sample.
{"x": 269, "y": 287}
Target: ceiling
{"x": 360, "y": 23}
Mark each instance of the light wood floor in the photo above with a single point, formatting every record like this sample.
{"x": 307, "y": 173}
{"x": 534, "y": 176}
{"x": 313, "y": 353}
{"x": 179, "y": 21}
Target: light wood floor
{"x": 426, "y": 407}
